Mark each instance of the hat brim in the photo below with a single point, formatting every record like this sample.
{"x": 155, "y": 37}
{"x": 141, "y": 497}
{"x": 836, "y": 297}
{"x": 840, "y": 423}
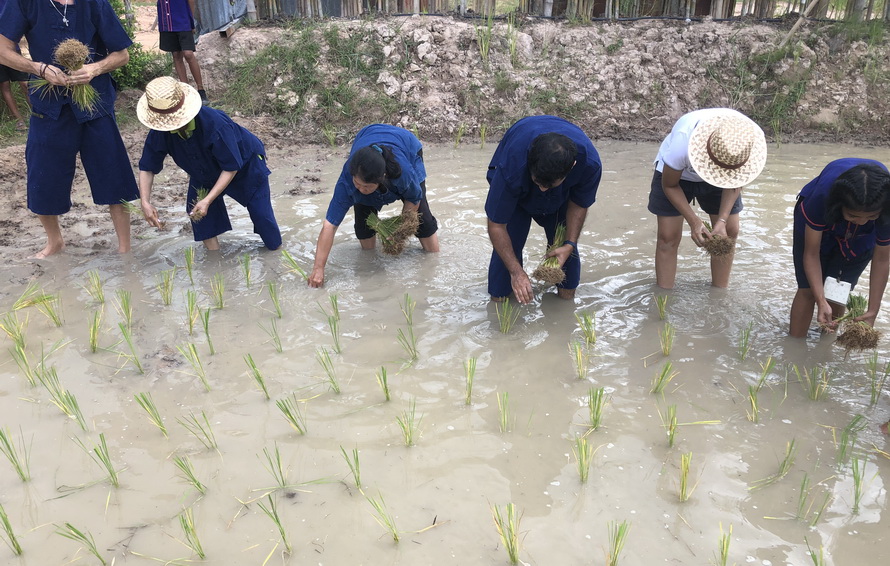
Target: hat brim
{"x": 175, "y": 120}
{"x": 716, "y": 175}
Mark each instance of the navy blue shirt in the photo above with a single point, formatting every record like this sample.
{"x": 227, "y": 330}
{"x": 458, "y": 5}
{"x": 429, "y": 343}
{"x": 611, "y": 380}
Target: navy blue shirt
{"x": 217, "y": 144}
{"x": 852, "y": 240}
{"x": 93, "y": 22}
{"x": 406, "y": 148}
{"x": 175, "y": 15}
{"x": 511, "y": 185}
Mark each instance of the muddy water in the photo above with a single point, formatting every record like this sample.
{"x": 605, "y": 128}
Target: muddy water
{"x": 440, "y": 492}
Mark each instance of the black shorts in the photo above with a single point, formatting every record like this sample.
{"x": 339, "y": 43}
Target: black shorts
{"x": 174, "y": 41}
{"x": 8, "y": 74}
{"x": 428, "y": 223}
{"x": 708, "y": 197}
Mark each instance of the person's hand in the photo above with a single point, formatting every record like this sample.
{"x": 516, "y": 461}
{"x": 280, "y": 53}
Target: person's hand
{"x": 54, "y": 75}
{"x": 699, "y": 233}
{"x": 868, "y": 317}
{"x": 151, "y": 214}
{"x": 316, "y": 278}
{"x": 719, "y": 229}
{"x": 200, "y": 210}
{"x": 522, "y": 287}
{"x": 823, "y": 315}
{"x": 563, "y": 253}
{"x": 84, "y": 75}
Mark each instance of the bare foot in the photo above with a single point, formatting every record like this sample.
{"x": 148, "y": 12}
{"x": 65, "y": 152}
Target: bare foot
{"x": 885, "y": 427}
{"x": 49, "y": 250}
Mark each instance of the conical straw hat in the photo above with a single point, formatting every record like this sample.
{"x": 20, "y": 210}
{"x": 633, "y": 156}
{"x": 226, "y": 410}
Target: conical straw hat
{"x": 168, "y": 104}
{"x": 727, "y": 150}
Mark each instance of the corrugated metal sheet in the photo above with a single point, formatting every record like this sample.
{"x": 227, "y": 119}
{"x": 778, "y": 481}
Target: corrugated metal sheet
{"x": 216, "y": 14}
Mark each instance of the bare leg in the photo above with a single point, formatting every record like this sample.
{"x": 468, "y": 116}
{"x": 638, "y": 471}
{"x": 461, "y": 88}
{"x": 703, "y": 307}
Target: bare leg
{"x": 368, "y": 243}
{"x": 6, "y": 91}
{"x": 179, "y": 65}
{"x": 431, "y": 243}
{"x": 212, "y": 244}
{"x": 54, "y": 241}
{"x": 567, "y": 294}
{"x": 670, "y": 230}
{"x": 194, "y": 67}
{"x": 802, "y": 313}
{"x": 121, "y": 220}
{"x": 722, "y": 266}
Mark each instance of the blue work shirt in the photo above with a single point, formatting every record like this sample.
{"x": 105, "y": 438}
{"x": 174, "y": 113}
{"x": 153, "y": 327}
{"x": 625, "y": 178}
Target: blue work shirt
{"x": 511, "y": 185}
{"x": 406, "y": 148}
{"x": 217, "y": 144}
{"x": 175, "y": 15}
{"x": 93, "y": 22}
{"x": 851, "y": 239}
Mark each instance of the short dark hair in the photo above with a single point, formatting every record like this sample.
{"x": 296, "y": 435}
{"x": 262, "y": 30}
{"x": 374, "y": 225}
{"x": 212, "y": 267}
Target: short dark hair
{"x": 550, "y": 158}
{"x": 374, "y": 164}
{"x": 863, "y": 188}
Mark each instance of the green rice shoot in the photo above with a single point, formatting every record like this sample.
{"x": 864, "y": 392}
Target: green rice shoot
{"x": 123, "y": 304}
{"x": 187, "y": 523}
{"x": 200, "y": 194}
{"x": 52, "y": 309}
{"x": 133, "y": 357}
{"x": 816, "y": 382}
{"x": 154, "y": 416}
{"x": 165, "y": 285}
{"x": 617, "y": 539}
{"x": 274, "y": 336}
{"x": 218, "y": 290}
{"x": 257, "y": 375}
{"x": 355, "y": 469}
{"x": 662, "y": 378}
{"x": 205, "y": 323}
{"x": 334, "y": 327}
{"x": 274, "y": 289}
{"x": 470, "y": 371}
{"x": 100, "y": 455}
{"x": 19, "y": 456}
{"x": 745, "y": 341}
{"x": 190, "y": 352}
{"x": 192, "y": 310}
{"x": 721, "y": 558}
{"x": 14, "y": 328}
{"x": 507, "y": 524}
{"x": 275, "y": 467}
{"x": 818, "y": 558}
{"x": 293, "y": 414}
{"x": 409, "y": 423}
{"x": 189, "y": 255}
{"x": 20, "y": 357}
{"x": 669, "y": 422}
{"x": 549, "y": 271}
{"x": 507, "y": 315}
{"x": 666, "y": 338}
{"x": 784, "y": 468}
{"x": 587, "y": 325}
{"x": 383, "y": 382}
{"x": 130, "y": 208}
{"x": 184, "y": 464}
{"x": 95, "y": 330}
{"x": 849, "y": 436}
{"x": 200, "y": 429}
{"x": 84, "y": 538}
{"x": 271, "y": 511}
{"x": 685, "y": 489}
{"x": 580, "y": 358}
{"x": 382, "y": 515}
{"x": 505, "y": 417}
{"x": 661, "y": 303}
{"x": 8, "y": 534}
{"x": 583, "y": 452}
{"x": 95, "y": 286}
{"x": 857, "y": 469}
{"x": 323, "y": 357}
{"x": 877, "y": 379}
{"x": 292, "y": 265}
{"x": 63, "y": 399}
{"x": 246, "y": 269}
{"x": 596, "y": 402}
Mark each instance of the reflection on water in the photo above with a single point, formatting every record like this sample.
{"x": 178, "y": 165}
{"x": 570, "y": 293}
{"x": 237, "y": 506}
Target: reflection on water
{"x": 462, "y": 463}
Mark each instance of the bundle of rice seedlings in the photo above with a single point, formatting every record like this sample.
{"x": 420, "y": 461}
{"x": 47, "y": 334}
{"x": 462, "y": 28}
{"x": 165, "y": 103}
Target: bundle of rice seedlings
{"x": 71, "y": 55}
{"x": 549, "y": 270}
{"x": 200, "y": 194}
{"x": 394, "y": 231}
{"x": 857, "y": 335}
{"x": 718, "y": 246}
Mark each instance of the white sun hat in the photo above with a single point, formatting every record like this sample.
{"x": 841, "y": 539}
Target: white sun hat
{"x": 727, "y": 150}
{"x": 168, "y": 104}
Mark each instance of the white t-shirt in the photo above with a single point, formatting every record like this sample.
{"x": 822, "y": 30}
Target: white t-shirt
{"x": 674, "y": 150}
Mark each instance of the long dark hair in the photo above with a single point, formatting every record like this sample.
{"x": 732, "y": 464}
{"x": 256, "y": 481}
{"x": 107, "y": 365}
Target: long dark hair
{"x": 864, "y": 188}
{"x": 551, "y": 157}
{"x": 374, "y": 164}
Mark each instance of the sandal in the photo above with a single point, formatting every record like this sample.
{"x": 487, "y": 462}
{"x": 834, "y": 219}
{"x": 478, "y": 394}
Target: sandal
{"x": 20, "y": 126}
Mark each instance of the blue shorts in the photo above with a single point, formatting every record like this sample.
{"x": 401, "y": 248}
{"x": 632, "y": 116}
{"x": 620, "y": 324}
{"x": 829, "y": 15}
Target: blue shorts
{"x": 708, "y": 197}
{"x": 51, "y": 153}
{"x": 834, "y": 264}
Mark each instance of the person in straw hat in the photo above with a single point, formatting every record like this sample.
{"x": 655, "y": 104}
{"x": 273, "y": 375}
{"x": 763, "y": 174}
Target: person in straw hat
{"x": 708, "y": 156}
{"x": 219, "y": 156}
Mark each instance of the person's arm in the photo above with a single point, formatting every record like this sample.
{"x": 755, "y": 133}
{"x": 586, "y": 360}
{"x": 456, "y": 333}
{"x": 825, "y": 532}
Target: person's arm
{"x": 322, "y": 251}
{"x": 670, "y": 183}
{"x": 727, "y": 199}
{"x": 575, "y": 216}
{"x": 812, "y": 267}
{"x": 200, "y": 208}
{"x": 10, "y": 57}
{"x": 194, "y": 8}
{"x": 408, "y": 206}
{"x": 877, "y": 283}
{"x": 114, "y": 60}
{"x": 503, "y": 245}
{"x": 146, "y": 181}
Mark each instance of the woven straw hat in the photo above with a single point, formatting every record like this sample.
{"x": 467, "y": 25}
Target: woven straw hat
{"x": 168, "y": 104}
{"x": 727, "y": 150}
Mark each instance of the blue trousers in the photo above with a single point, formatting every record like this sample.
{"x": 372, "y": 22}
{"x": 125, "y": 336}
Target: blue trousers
{"x": 518, "y": 226}
{"x": 258, "y": 203}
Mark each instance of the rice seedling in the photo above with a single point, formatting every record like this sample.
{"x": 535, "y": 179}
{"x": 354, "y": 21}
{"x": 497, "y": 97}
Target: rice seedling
{"x": 666, "y": 338}
{"x": 165, "y": 285}
{"x": 507, "y": 315}
{"x": 661, "y": 303}
{"x": 133, "y": 357}
{"x": 123, "y": 304}
{"x": 84, "y": 538}
{"x": 99, "y": 454}
{"x": 130, "y": 207}
{"x": 505, "y": 419}
{"x": 409, "y": 423}
{"x": 459, "y": 134}
{"x": 408, "y": 341}
{"x": 383, "y": 517}
{"x": 192, "y": 310}
{"x": 685, "y": 489}
{"x": 330, "y": 135}
{"x": 858, "y": 471}
{"x": 663, "y": 377}
{"x": 293, "y": 266}
{"x": 323, "y": 357}
{"x": 816, "y": 382}
{"x": 549, "y": 271}
{"x": 848, "y": 438}
{"x": 721, "y": 558}
{"x": 507, "y": 524}
{"x": 395, "y": 231}
{"x": 470, "y": 372}
{"x": 52, "y": 309}
{"x": 803, "y": 496}
{"x": 334, "y": 301}
{"x": 587, "y": 325}
{"x": 188, "y": 473}
{"x": 669, "y": 422}
{"x": 483, "y": 37}
{"x": 95, "y": 330}
{"x": 334, "y": 327}
{"x": 482, "y": 131}
{"x": 275, "y": 467}
{"x": 271, "y": 511}
{"x": 876, "y": 379}
{"x": 583, "y": 455}
{"x": 754, "y": 412}
{"x": 200, "y": 194}
{"x": 20, "y": 356}
{"x": 187, "y": 522}
{"x": 189, "y": 254}
{"x": 784, "y": 467}
{"x": 617, "y": 538}
{"x": 273, "y": 289}
{"x": 71, "y": 55}
{"x": 200, "y": 429}
{"x": 596, "y": 402}
{"x": 765, "y": 369}
{"x": 61, "y": 397}
{"x": 383, "y": 382}
{"x": 290, "y": 408}
{"x": 95, "y": 287}
{"x": 272, "y": 331}
{"x": 354, "y": 466}
{"x": 580, "y": 358}
{"x": 14, "y": 328}
{"x": 19, "y": 456}
{"x": 245, "y": 269}
{"x": 218, "y": 290}
{"x": 856, "y": 335}
{"x": 8, "y": 534}
{"x": 745, "y": 341}
{"x": 817, "y": 558}
{"x": 256, "y": 375}
{"x": 205, "y": 322}
{"x": 154, "y": 416}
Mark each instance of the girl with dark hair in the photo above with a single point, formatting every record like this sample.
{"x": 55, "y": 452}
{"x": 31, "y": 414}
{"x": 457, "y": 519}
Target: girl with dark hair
{"x": 841, "y": 224}
{"x": 384, "y": 165}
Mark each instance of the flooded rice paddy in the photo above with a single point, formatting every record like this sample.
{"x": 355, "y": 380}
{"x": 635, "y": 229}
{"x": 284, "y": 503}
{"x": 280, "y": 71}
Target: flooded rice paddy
{"x": 514, "y": 442}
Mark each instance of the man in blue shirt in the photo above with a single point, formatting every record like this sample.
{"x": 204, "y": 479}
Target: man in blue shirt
{"x": 545, "y": 169}
{"x": 59, "y": 130}
{"x": 176, "y": 25}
